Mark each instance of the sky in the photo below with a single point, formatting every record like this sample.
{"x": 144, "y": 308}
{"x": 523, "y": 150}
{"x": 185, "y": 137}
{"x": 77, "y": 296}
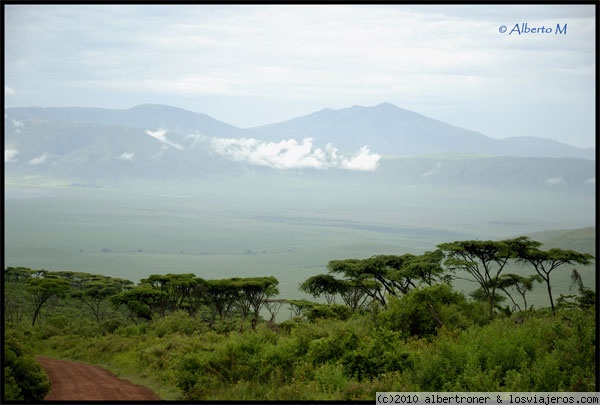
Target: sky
{"x": 502, "y": 70}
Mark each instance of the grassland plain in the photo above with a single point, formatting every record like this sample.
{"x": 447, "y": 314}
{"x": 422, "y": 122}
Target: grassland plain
{"x": 287, "y": 226}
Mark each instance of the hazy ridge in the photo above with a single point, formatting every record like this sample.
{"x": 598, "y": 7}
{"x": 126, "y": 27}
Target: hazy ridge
{"x": 383, "y": 143}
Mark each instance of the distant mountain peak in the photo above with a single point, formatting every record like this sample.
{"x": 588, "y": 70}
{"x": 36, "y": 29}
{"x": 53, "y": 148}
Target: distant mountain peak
{"x": 153, "y": 107}
{"x": 387, "y": 104}
{"x": 385, "y": 128}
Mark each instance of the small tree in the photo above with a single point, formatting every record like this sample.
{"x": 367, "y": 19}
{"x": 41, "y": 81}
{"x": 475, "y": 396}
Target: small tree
{"x": 44, "y": 288}
{"x": 520, "y": 283}
{"x": 97, "y": 290}
{"x": 253, "y": 291}
{"x": 354, "y": 292}
{"x": 17, "y": 303}
{"x": 142, "y": 300}
{"x": 300, "y": 307}
{"x": 427, "y": 268}
{"x": 586, "y": 298}
{"x": 273, "y": 306}
{"x": 353, "y": 270}
{"x": 544, "y": 262}
{"x": 322, "y": 285}
{"x": 221, "y": 296}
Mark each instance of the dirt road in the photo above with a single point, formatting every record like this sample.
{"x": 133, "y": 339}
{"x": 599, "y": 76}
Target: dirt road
{"x": 78, "y": 381}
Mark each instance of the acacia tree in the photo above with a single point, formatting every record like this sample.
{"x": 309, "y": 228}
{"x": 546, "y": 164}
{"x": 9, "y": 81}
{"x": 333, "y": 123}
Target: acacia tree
{"x": 44, "y": 288}
{"x": 17, "y": 304}
{"x": 520, "y": 283}
{"x": 253, "y": 291}
{"x": 354, "y": 293}
{"x": 178, "y": 289}
{"x": 322, "y": 285}
{"x": 97, "y": 290}
{"x": 544, "y": 262}
{"x": 485, "y": 260}
{"x": 353, "y": 270}
{"x": 427, "y": 268}
{"x": 273, "y": 306}
{"x": 142, "y": 300}
{"x": 587, "y": 297}
{"x": 221, "y": 296}
{"x": 383, "y": 275}
{"x": 391, "y": 272}
{"x": 18, "y": 274}
{"x": 299, "y": 307}
{"x": 196, "y": 298}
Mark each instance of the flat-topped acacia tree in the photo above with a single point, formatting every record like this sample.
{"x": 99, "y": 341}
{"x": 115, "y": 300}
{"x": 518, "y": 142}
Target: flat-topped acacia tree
{"x": 522, "y": 284}
{"x": 44, "y": 288}
{"x": 485, "y": 260}
{"x": 376, "y": 277}
{"x": 322, "y": 285}
{"x": 253, "y": 291}
{"x": 545, "y": 261}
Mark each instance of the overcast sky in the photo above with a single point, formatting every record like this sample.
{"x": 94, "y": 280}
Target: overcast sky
{"x": 255, "y": 65}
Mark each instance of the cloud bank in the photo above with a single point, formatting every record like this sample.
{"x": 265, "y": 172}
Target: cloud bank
{"x": 161, "y": 135}
{"x": 291, "y": 154}
{"x": 555, "y": 180}
{"x": 38, "y": 160}
{"x": 126, "y": 156}
{"x": 10, "y": 155}
{"x": 433, "y": 170}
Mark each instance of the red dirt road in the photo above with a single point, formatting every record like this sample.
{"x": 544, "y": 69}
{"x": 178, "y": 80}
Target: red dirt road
{"x": 78, "y": 381}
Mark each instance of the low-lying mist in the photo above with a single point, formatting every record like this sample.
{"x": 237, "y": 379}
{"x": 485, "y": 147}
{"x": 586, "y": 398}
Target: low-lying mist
{"x": 287, "y": 224}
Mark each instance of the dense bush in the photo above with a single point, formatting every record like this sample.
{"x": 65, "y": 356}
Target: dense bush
{"x": 24, "y": 379}
{"x": 542, "y": 353}
{"x": 423, "y": 311}
{"x": 331, "y": 311}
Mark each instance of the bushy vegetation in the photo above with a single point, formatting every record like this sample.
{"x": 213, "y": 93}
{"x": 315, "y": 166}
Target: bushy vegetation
{"x": 24, "y": 379}
{"x": 401, "y": 327}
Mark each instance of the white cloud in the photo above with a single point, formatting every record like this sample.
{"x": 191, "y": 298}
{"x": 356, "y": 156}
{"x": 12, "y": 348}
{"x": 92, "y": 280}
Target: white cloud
{"x": 591, "y": 180}
{"x": 10, "y": 155}
{"x": 433, "y": 170}
{"x": 157, "y": 155}
{"x": 161, "y": 135}
{"x": 290, "y": 154}
{"x": 17, "y": 125}
{"x": 38, "y": 160}
{"x": 555, "y": 180}
{"x": 9, "y": 91}
{"x": 363, "y": 160}
{"x": 196, "y": 139}
{"x": 126, "y": 156}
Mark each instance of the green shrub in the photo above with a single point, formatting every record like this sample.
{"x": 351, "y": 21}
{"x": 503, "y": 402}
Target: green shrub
{"x": 330, "y": 379}
{"x": 421, "y": 312}
{"x": 334, "y": 347}
{"x": 177, "y": 322}
{"x": 331, "y": 311}
{"x": 24, "y": 378}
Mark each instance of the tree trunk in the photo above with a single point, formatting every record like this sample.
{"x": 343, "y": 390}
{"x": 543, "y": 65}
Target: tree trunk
{"x": 550, "y": 295}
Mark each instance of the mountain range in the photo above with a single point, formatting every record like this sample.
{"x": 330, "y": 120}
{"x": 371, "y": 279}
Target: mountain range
{"x": 163, "y": 142}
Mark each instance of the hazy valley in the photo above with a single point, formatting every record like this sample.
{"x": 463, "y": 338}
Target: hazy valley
{"x": 155, "y": 189}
